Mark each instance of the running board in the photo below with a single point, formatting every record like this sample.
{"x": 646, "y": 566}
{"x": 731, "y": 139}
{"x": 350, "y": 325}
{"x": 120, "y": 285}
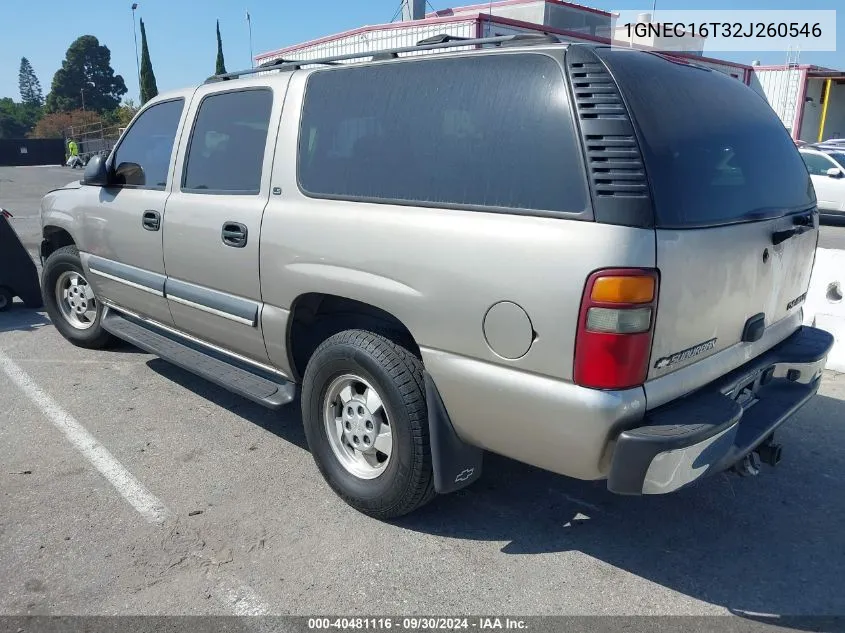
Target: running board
{"x": 272, "y": 393}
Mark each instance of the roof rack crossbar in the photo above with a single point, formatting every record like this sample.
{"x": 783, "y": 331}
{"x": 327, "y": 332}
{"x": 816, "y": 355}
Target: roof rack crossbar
{"x": 431, "y": 43}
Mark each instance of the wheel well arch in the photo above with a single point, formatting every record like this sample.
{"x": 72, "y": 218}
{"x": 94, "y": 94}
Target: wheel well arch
{"x": 55, "y": 237}
{"x": 316, "y": 316}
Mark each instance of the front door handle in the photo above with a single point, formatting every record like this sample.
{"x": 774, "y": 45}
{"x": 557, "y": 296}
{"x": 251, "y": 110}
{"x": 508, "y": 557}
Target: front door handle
{"x": 234, "y": 234}
{"x": 151, "y": 220}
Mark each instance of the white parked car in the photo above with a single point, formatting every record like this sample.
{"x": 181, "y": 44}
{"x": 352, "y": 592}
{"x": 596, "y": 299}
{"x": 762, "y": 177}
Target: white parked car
{"x": 827, "y": 171}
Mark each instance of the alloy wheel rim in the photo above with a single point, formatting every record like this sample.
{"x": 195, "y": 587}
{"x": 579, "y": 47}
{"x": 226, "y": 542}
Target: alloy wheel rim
{"x": 358, "y": 426}
{"x": 76, "y": 301}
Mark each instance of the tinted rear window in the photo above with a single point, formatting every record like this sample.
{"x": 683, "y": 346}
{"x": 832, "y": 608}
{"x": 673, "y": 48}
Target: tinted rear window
{"x": 227, "y": 146}
{"x": 714, "y": 150}
{"x": 487, "y": 131}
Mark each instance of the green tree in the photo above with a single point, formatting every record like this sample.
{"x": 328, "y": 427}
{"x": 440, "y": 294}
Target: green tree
{"x": 86, "y": 67}
{"x": 220, "y": 68}
{"x": 122, "y": 115}
{"x": 17, "y": 119}
{"x": 148, "y": 78}
{"x": 29, "y": 85}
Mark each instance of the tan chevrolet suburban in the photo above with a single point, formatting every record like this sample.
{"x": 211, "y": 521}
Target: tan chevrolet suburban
{"x": 588, "y": 259}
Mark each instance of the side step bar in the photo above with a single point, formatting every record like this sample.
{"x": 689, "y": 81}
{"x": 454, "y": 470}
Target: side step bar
{"x": 271, "y": 392}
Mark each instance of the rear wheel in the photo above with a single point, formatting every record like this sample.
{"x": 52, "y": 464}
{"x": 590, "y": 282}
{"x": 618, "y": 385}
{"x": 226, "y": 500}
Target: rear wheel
{"x": 363, "y": 405}
{"x": 70, "y": 300}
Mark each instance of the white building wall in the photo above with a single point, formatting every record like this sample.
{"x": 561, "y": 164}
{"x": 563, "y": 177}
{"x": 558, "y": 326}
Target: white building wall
{"x": 528, "y": 11}
{"x": 490, "y": 28}
{"x": 782, "y": 89}
{"x": 377, "y": 39}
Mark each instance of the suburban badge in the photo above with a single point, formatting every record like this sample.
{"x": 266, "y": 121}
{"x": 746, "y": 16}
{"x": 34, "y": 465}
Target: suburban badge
{"x": 679, "y": 357}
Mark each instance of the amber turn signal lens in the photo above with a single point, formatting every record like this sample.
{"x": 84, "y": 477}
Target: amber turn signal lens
{"x": 623, "y": 290}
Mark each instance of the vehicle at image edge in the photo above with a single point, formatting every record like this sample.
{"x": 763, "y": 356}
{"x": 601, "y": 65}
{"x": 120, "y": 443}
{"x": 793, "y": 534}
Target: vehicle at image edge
{"x": 826, "y": 165}
{"x": 528, "y": 248}
{"x": 18, "y": 275}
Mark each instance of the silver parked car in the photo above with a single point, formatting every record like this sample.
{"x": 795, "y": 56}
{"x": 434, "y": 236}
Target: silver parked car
{"x": 826, "y": 165}
{"x": 528, "y": 248}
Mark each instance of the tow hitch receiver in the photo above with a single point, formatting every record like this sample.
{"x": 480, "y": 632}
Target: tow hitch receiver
{"x": 748, "y": 466}
{"x": 767, "y": 453}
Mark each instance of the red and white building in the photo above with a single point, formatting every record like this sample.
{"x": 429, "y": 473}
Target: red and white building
{"x": 798, "y": 93}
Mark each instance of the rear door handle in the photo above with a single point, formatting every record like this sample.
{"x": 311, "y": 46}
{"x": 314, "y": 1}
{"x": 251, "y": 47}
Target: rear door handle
{"x": 234, "y": 234}
{"x": 151, "y": 220}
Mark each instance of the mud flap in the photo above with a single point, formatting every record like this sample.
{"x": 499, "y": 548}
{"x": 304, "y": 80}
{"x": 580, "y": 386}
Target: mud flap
{"x": 17, "y": 270}
{"x": 456, "y": 464}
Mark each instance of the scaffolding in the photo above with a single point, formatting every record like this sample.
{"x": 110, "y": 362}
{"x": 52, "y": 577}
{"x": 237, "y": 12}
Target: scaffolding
{"x": 94, "y": 138}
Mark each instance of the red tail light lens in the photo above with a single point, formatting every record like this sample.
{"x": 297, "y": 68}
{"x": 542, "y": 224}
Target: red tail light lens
{"x": 615, "y": 328}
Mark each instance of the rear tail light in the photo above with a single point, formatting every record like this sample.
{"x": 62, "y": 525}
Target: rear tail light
{"x": 615, "y": 328}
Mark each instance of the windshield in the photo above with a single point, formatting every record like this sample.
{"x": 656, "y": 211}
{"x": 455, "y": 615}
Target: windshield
{"x": 714, "y": 150}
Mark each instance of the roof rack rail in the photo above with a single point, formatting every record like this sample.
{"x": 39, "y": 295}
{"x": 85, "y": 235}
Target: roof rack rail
{"x": 289, "y": 64}
{"x": 431, "y": 43}
{"x": 521, "y": 39}
{"x": 442, "y": 38}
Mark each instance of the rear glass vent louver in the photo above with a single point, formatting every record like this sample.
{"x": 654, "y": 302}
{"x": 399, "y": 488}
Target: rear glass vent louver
{"x": 615, "y": 164}
{"x": 596, "y": 95}
{"x": 612, "y": 154}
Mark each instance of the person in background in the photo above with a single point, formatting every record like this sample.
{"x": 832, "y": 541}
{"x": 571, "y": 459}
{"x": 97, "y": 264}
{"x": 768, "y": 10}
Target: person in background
{"x": 73, "y": 160}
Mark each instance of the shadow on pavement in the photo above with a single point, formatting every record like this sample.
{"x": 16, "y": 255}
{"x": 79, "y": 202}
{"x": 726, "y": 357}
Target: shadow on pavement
{"x": 20, "y": 318}
{"x": 774, "y": 544}
{"x": 285, "y": 423}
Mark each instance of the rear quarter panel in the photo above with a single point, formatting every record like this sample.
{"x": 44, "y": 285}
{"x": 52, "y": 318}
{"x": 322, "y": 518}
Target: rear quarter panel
{"x": 438, "y": 270}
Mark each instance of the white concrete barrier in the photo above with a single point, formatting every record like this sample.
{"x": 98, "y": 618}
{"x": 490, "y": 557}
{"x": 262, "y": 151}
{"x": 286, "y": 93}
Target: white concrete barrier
{"x": 825, "y": 306}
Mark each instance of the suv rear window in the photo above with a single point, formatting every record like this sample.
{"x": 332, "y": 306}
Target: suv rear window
{"x": 714, "y": 150}
{"x": 489, "y": 132}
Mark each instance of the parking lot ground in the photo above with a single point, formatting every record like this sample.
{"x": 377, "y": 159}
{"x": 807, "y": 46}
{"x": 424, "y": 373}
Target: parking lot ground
{"x": 520, "y": 541}
{"x": 248, "y": 525}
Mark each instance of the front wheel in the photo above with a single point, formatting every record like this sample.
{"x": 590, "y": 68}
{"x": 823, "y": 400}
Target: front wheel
{"x": 70, "y": 301}
{"x": 363, "y": 405}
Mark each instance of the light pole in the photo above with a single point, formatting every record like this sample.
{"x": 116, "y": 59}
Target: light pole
{"x": 135, "y": 33}
{"x": 249, "y": 25}
{"x": 82, "y": 92}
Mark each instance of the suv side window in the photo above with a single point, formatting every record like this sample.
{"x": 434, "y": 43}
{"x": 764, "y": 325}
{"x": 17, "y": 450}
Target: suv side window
{"x": 227, "y": 145}
{"x": 493, "y": 132}
{"x": 143, "y": 157}
{"x": 817, "y": 164}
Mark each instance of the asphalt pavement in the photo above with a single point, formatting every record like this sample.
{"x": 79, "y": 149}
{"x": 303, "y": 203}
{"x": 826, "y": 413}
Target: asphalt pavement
{"x": 129, "y": 486}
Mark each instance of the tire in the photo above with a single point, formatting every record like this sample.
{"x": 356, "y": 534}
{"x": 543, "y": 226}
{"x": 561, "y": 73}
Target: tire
{"x": 61, "y": 265}
{"x": 6, "y": 298}
{"x": 403, "y": 482}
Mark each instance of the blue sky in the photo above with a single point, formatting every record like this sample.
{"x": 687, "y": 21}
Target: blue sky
{"x": 182, "y": 41}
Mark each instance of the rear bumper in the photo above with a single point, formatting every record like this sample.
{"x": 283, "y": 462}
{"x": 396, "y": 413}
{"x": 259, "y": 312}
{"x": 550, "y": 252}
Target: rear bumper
{"x": 713, "y": 428}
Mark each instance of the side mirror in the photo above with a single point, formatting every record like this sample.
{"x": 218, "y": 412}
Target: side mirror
{"x": 96, "y": 172}
{"x": 834, "y": 172}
